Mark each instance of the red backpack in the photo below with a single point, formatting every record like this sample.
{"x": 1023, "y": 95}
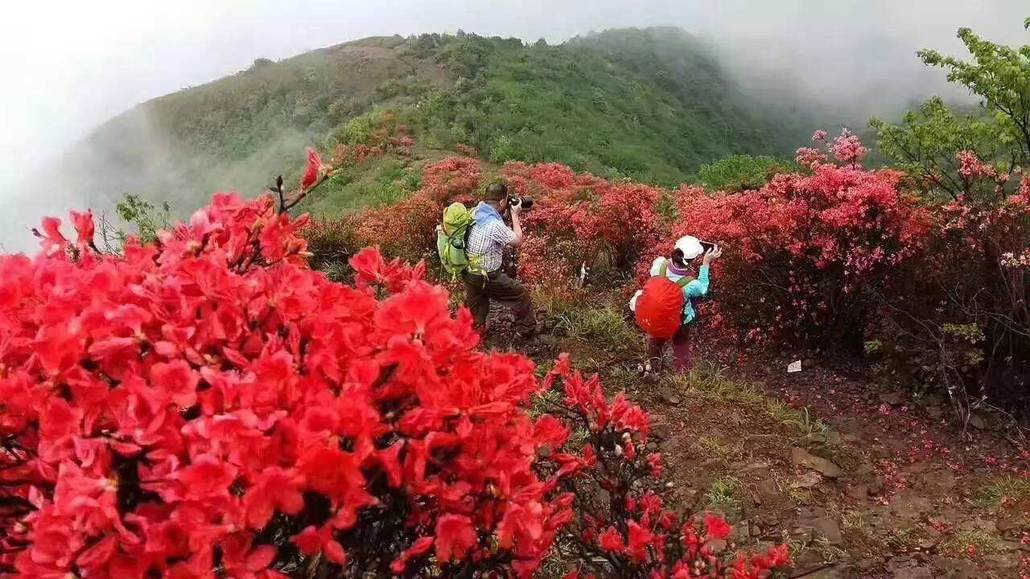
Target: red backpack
{"x": 659, "y": 309}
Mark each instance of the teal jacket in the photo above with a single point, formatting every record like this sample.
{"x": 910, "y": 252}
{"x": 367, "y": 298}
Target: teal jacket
{"x": 696, "y": 289}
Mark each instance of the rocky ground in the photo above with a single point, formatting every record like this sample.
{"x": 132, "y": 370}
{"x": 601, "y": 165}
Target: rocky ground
{"x": 861, "y": 482}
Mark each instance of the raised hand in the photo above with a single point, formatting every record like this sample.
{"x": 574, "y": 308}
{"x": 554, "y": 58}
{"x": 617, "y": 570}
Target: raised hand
{"x": 712, "y": 254}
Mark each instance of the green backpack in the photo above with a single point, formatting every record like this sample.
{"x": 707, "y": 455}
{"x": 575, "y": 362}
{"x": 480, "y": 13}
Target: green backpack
{"x": 452, "y": 239}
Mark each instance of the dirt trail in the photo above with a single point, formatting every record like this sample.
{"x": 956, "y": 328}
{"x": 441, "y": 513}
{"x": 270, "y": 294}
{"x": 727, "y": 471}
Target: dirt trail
{"x": 859, "y": 488}
{"x": 860, "y": 482}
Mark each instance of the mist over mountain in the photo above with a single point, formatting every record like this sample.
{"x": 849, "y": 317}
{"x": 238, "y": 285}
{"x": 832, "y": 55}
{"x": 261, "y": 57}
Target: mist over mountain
{"x": 785, "y": 68}
{"x": 651, "y": 104}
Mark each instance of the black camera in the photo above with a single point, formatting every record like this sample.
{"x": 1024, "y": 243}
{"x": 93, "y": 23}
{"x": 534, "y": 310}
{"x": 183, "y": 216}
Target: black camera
{"x": 523, "y": 202}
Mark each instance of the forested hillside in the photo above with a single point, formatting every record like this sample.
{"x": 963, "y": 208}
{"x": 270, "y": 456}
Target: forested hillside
{"x": 652, "y": 105}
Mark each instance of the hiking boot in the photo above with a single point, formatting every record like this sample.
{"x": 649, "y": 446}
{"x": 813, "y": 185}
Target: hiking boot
{"x": 652, "y": 366}
{"x": 529, "y": 339}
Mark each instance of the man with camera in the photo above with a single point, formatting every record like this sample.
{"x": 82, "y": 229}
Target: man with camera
{"x": 487, "y": 240}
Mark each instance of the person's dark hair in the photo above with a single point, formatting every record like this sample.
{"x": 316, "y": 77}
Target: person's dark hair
{"x": 495, "y": 192}
{"x": 677, "y": 258}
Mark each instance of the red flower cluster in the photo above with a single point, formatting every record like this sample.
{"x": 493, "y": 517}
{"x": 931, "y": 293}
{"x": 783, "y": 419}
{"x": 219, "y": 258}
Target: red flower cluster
{"x": 802, "y": 247}
{"x": 406, "y": 229}
{"x": 313, "y": 170}
{"x": 211, "y": 403}
{"x": 973, "y": 274}
{"x": 847, "y": 148}
{"x": 451, "y": 177}
{"x": 622, "y": 527}
{"x": 580, "y": 219}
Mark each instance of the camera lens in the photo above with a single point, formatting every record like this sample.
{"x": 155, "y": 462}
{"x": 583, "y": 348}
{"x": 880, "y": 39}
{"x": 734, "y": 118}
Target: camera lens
{"x": 527, "y": 202}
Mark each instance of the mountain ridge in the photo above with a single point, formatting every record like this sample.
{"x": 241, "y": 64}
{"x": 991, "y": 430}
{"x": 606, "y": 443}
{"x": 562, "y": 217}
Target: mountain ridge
{"x": 649, "y": 104}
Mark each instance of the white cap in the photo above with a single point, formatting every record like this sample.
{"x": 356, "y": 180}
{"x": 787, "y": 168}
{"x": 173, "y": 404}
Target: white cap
{"x": 633, "y": 300}
{"x": 690, "y": 246}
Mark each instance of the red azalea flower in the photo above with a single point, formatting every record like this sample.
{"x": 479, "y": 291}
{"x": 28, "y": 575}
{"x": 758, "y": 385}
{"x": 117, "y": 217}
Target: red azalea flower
{"x": 313, "y": 169}
{"x": 312, "y": 541}
{"x": 276, "y": 489}
{"x": 717, "y": 528}
{"x": 610, "y": 540}
{"x": 178, "y": 380}
{"x": 455, "y": 535}
{"x": 84, "y": 227}
{"x": 639, "y": 540}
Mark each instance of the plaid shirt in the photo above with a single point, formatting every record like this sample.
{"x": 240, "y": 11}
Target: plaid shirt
{"x": 487, "y": 243}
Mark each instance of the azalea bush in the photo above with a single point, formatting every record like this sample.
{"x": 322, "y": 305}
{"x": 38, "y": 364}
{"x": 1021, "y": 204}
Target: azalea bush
{"x": 622, "y": 525}
{"x": 802, "y": 250}
{"x": 212, "y": 403}
{"x": 583, "y": 221}
{"x": 209, "y": 405}
{"x": 961, "y": 320}
{"x": 407, "y": 229}
{"x": 578, "y": 220}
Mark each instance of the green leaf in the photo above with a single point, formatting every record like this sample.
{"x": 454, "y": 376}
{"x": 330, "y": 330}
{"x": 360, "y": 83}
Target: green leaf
{"x": 1026, "y": 23}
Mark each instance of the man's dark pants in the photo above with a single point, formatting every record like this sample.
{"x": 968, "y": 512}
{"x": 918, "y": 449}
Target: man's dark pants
{"x": 499, "y": 286}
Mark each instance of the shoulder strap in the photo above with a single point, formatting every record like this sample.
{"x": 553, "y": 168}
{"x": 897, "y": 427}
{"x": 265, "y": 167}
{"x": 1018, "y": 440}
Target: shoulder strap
{"x": 684, "y": 281}
{"x": 663, "y": 271}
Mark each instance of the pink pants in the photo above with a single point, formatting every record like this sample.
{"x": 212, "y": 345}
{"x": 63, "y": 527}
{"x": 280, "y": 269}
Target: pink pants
{"x": 682, "y": 361}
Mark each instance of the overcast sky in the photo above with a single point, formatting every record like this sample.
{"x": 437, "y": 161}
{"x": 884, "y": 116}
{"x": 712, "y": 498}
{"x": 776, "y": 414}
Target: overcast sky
{"x": 71, "y": 64}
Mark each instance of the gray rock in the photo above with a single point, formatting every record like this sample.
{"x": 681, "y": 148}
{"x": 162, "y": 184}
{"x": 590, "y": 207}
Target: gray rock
{"x": 801, "y": 457}
{"x": 864, "y": 469}
{"x": 956, "y": 568}
{"x": 905, "y": 568}
{"x": 768, "y": 490}
{"x": 908, "y": 505}
{"x": 808, "y": 559}
{"x": 894, "y": 398}
{"x": 857, "y": 492}
{"x": 1005, "y": 524}
{"x": 807, "y": 480}
{"x": 828, "y": 529}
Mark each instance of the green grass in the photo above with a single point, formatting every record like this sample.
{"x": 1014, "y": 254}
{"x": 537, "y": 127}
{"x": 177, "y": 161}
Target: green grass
{"x": 723, "y": 495}
{"x": 715, "y": 448}
{"x": 808, "y": 429}
{"x": 376, "y": 183}
{"x": 1002, "y": 490}
{"x": 604, "y": 328}
{"x": 972, "y": 543}
{"x": 709, "y": 380}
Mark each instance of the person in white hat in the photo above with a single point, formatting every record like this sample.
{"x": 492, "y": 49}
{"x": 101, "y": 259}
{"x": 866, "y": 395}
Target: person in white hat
{"x": 676, "y": 267}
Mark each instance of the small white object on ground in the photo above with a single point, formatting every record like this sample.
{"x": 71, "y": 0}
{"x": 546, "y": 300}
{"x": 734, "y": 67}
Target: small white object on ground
{"x": 794, "y": 366}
